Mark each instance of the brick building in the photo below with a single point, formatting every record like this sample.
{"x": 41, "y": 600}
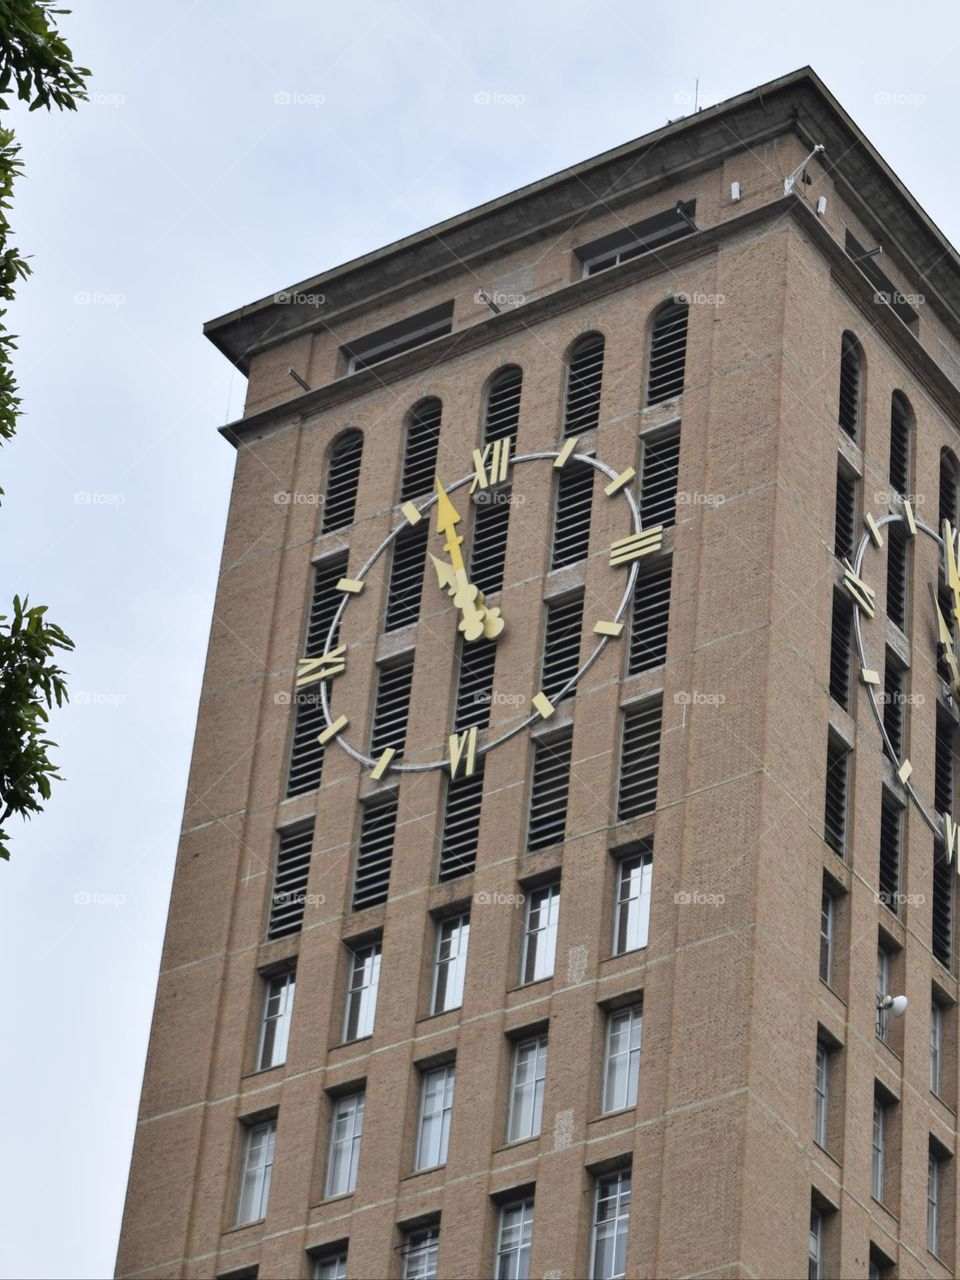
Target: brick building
{"x": 561, "y": 955}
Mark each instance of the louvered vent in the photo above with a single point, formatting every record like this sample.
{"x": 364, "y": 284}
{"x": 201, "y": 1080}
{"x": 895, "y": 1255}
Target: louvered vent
{"x": 949, "y": 488}
{"x": 392, "y": 707}
{"x": 502, "y": 415}
{"x": 488, "y": 552}
{"x": 943, "y": 772}
{"x": 890, "y": 827}
{"x": 658, "y": 480}
{"x": 944, "y": 878}
{"x": 651, "y": 616}
{"x": 668, "y": 353}
{"x": 897, "y": 575}
{"x": 561, "y": 644}
{"x": 549, "y": 791}
{"x": 893, "y": 687}
{"x": 475, "y": 684}
{"x": 840, "y": 641}
{"x": 640, "y": 760}
{"x": 378, "y": 824}
{"x": 846, "y": 515}
{"x": 461, "y": 824}
{"x": 406, "y": 576}
{"x": 584, "y": 379}
{"x": 306, "y": 754}
{"x": 900, "y": 418}
{"x": 571, "y": 531}
{"x": 290, "y": 881}
{"x": 848, "y": 413}
{"x": 343, "y": 474}
{"x": 420, "y": 455}
{"x": 835, "y": 806}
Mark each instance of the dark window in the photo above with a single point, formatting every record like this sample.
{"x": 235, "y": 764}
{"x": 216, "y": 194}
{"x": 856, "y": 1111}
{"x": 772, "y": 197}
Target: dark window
{"x": 949, "y": 488}
{"x": 943, "y": 770}
{"x": 404, "y": 335}
{"x": 845, "y": 525}
{"x": 894, "y": 684}
{"x": 668, "y": 353}
{"x": 571, "y": 530}
{"x": 475, "y": 684}
{"x": 290, "y": 881}
{"x": 461, "y": 823}
{"x": 835, "y": 806}
{"x": 420, "y": 454}
{"x": 406, "y": 576}
{"x": 561, "y": 644}
{"x": 891, "y": 829}
{"x": 944, "y": 876}
{"x": 306, "y": 755}
{"x": 851, "y": 364}
{"x": 343, "y": 475}
{"x": 378, "y": 823}
{"x": 392, "y": 706}
{"x": 502, "y": 412}
{"x": 841, "y": 638}
{"x": 488, "y": 551}
{"x": 640, "y": 760}
{"x": 651, "y": 615}
{"x": 584, "y": 377}
{"x": 901, "y": 418}
{"x": 897, "y": 575}
{"x": 828, "y": 932}
{"x": 642, "y": 237}
{"x": 658, "y": 479}
{"x": 550, "y": 790}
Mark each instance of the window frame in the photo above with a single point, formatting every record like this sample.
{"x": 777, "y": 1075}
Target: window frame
{"x": 282, "y": 1020}
{"x": 622, "y": 930}
{"x": 625, "y": 1081}
{"x": 455, "y": 963}
{"x": 521, "y": 1091}
{"x": 356, "y": 952}
{"x": 550, "y": 893}
{"x": 262, "y": 1173}
{"x": 350, "y": 1143}
{"x": 619, "y": 1216}
{"x": 445, "y": 1113}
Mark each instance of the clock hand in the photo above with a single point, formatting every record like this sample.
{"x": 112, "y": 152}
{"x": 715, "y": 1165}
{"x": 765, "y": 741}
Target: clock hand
{"x": 476, "y": 618}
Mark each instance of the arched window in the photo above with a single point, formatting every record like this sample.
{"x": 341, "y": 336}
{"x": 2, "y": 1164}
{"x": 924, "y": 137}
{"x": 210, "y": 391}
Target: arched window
{"x": 668, "y": 352}
{"x": 501, "y": 415}
{"x": 420, "y": 453}
{"x": 851, "y": 385}
{"x": 343, "y": 474}
{"x": 584, "y": 378}
{"x": 901, "y": 431}
{"x": 949, "y": 487}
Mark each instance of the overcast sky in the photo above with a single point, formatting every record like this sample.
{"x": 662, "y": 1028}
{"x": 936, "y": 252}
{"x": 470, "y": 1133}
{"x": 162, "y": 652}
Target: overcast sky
{"x": 231, "y": 148}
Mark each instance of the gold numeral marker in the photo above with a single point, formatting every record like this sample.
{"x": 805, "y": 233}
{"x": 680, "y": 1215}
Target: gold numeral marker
{"x": 861, "y": 593}
{"x": 563, "y": 456}
{"x": 872, "y": 528}
{"x": 608, "y": 628}
{"x": 310, "y": 670}
{"x": 951, "y": 839}
{"x": 905, "y": 770}
{"x": 494, "y": 471}
{"x": 621, "y": 480}
{"x": 332, "y": 730}
{"x": 543, "y": 705}
{"x": 909, "y": 517}
{"x": 638, "y": 544}
{"x": 383, "y": 763}
{"x": 463, "y": 750}
{"x": 411, "y": 513}
{"x": 868, "y": 676}
{"x": 350, "y": 585}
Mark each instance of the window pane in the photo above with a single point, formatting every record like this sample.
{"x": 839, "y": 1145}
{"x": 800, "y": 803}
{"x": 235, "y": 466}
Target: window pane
{"x": 420, "y": 1254}
{"x": 622, "y": 1066}
{"x": 610, "y": 1224}
{"x": 526, "y": 1100}
{"x": 540, "y": 944}
{"x": 634, "y": 883}
{"x": 257, "y": 1168}
{"x": 346, "y": 1131}
{"x": 513, "y": 1246}
{"x": 435, "y": 1108}
{"x": 452, "y": 940}
{"x": 362, "y": 995}
{"x": 277, "y": 1013}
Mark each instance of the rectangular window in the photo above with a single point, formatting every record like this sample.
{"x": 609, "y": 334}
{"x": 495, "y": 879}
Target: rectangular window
{"x": 835, "y": 804}
{"x": 897, "y": 575}
{"x": 891, "y": 839}
{"x": 392, "y": 706}
{"x": 461, "y": 824}
{"x": 651, "y": 617}
{"x": 571, "y": 522}
{"x": 514, "y": 1237}
{"x": 549, "y": 791}
{"x": 421, "y": 1249}
{"x": 845, "y": 525}
{"x": 631, "y": 926}
{"x": 406, "y": 576}
{"x": 290, "y": 881}
{"x": 453, "y": 936}
{"x": 821, "y": 1095}
{"x": 306, "y": 755}
{"x": 639, "y": 760}
{"x": 258, "y": 1147}
{"x": 883, "y": 988}
{"x": 526, "y": 1090}
{"x": 879, "y": 1148}
{"x": 474, "y": 684}
{"x": 436, "y": 1105}
{"x": 346, "y": 1131}
{"x": 828, "y": 912}
{"x": 642, "y": 237}
{"x": 488, "y": 548}
{"x": 332, "y": 1266}
{"x": 934, "y": 1199}
{"x": 659, "y": 475}
{"x": 894, "y": 695}
{"x": 403, "y": 335}
{"x": 815, "y": 1265}
{"x": 621, "y": 1059}
{"x": 936, "y": 1047}
{"x": 275, "y": 1025}
{"x": 378, "y": 824}
{"x": 841, "y": 641}
{"x": 362, "y": 992}
{"x": 540, "y": 933}
{"x": 611, "y": 1222}
{"x": 561, "y": 644}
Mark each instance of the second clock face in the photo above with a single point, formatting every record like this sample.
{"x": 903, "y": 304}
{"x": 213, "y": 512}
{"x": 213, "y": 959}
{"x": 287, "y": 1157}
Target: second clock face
{"x": 477, "y": 622}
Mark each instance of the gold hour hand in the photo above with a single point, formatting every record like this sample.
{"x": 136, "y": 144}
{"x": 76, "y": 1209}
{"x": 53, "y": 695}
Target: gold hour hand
{"x": 476, "y": 618}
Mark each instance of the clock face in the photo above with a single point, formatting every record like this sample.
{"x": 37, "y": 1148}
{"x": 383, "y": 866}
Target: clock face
{"x": 472, "y": 618}
{"x": 946, "y": 625}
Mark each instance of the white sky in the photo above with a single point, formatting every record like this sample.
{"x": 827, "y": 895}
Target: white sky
{"x": 184, "y": 189}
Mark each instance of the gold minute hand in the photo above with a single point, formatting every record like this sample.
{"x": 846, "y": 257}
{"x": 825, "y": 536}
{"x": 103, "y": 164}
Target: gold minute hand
{"x": 476, "y": 619}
